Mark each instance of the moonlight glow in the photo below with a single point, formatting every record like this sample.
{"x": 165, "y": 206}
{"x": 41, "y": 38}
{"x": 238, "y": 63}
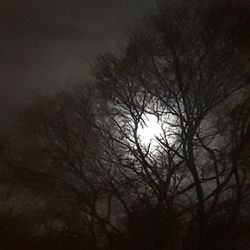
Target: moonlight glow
{"x": 149, "y": 130}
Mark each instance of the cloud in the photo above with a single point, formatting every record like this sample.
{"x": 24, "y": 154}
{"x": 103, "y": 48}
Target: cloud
{"x": 49, "y": 43}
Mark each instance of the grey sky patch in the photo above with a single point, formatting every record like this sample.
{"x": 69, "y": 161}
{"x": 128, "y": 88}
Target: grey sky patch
{"x": 46, "y": 44}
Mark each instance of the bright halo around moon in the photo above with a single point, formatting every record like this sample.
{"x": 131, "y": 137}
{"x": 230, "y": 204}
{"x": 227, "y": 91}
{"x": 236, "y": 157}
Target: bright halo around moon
{"x": 149, "y": 130}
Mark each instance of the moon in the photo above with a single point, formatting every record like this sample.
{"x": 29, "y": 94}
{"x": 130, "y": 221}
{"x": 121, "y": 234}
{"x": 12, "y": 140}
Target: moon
{"x": 149, "y": 129}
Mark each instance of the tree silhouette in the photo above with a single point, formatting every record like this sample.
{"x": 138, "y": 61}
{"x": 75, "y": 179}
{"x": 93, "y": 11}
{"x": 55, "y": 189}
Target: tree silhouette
{"x": 185, "y": 187}
{"x": 184, "y": 66}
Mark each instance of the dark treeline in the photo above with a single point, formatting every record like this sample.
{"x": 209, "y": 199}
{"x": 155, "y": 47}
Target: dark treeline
{"x": 76, "y": 173}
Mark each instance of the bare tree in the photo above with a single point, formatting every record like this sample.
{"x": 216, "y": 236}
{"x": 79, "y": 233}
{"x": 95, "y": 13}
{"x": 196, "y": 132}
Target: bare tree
{"x": 183, "y": 66}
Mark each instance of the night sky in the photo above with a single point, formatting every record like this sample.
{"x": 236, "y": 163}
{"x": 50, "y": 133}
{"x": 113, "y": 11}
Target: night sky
{"x": 47, "y": 44}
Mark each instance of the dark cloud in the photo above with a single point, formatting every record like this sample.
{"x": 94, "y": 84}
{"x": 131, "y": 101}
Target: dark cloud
{"x": 49, "y": 43}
